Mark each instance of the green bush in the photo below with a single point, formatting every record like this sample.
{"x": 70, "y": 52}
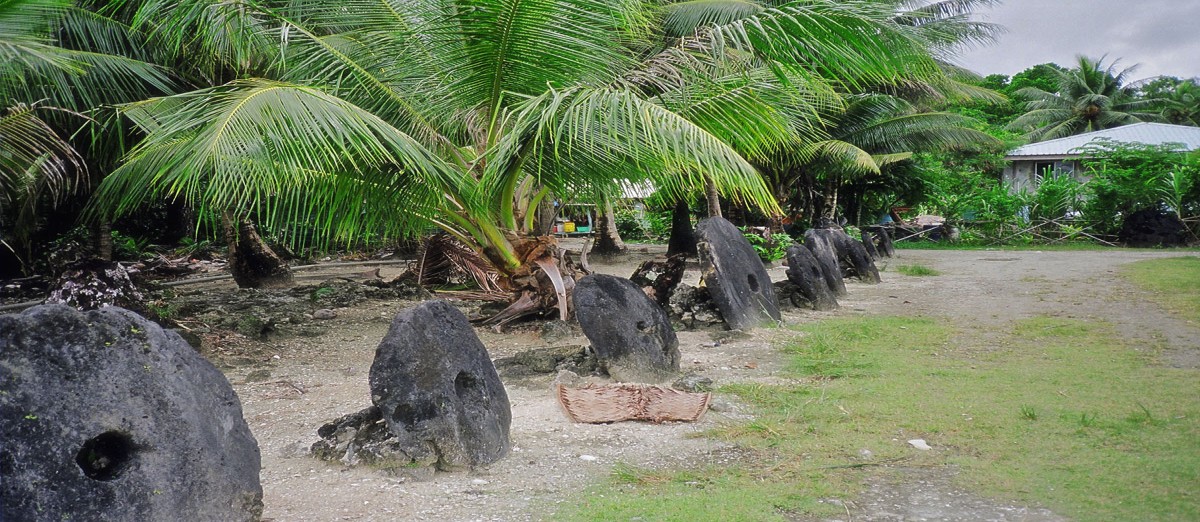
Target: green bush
{"x": 1056, "y": 196}
{"x": 648, "y": 226}
{"x": 769, "y": 249}
{"x": 1127, "y": 178}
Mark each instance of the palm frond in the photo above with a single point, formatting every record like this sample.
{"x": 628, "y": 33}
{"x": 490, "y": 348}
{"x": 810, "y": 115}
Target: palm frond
{"x": 597, "y": 128}
{"x": 854, "y": 42}
{"x": 502, "y": 48}
{"x": 685, "y": 18}
{"x": 34, "y": 160}
{"x": 100, "y": 66}
{"x": 841, "y": 157}
{"x": 283, "y": 152}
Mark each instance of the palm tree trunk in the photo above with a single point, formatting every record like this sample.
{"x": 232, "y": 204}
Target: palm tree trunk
{"x": 251, "y": 262}
{"x": 711, "y": 196}
{"x": 829, "y": 210}
{"x": 102, "y": 240}
{"x": 608, "y": 239}
{"x": 683, "y": 238}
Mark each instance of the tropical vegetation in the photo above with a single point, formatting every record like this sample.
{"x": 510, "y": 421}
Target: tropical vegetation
{"x": 328, "y": 121}
{"x": 1089, "y": 97}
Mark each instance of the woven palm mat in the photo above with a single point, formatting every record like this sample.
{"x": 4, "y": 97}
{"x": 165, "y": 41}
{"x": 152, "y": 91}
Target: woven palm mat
{"x": 621, "y": 402}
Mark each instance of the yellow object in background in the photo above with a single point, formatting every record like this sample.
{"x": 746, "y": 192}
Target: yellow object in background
{"x": 569, "y": 226}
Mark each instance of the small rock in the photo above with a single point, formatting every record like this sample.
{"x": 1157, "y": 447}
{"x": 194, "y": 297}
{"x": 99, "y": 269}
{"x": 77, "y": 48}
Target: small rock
{"x": 258, "y": 375}
{"x": 566, "y": 378}
{"x": 721, "y": 406}
{"x": 919, "y": 444}
{"x": 554, "y": 331}
{"x": 693, "y": 383}
{"x": 588, "y": 458}
{"x": 324, "y": 314}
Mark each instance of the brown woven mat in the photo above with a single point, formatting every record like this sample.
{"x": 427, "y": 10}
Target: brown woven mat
{"x": 621, "y": 402}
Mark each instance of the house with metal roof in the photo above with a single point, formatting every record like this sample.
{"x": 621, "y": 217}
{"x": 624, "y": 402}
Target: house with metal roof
{"x": 1027, "y": 164}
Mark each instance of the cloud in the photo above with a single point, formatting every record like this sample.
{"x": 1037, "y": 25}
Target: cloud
{"x": 1157, "y": 34}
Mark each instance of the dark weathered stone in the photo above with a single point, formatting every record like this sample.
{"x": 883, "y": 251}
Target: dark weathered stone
{"x": 692, "y": 308}
{"x": 735, "y": 276}
{"x": 851, "y": 254}
{"x": 106, "y": 416}
{"x": 573, "y": 357}
{"x": 630, "y": 333}
{"x": 659, "y": 277}
{"x": 438, "y": 390}
{"x": 805, "y": 272}
{"x": 1151, "y": 228}
{"x": 855, "y": 255}
{"x": 869, "y": 243}
{"x": 883, "y": 240}
{"x": 363, "y": 438}
{"x": 826, "y": 255}
{"x": 93, "y": 284}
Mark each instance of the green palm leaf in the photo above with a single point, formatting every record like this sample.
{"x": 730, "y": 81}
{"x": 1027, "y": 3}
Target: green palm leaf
{"x": 578, "y": 133}
{"x": 854, "y": 42}
{"x": 283, "y": 152}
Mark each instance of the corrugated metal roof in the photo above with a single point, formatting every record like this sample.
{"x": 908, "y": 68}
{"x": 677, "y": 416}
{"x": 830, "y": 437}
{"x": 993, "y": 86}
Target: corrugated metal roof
{"x": 1147, "y": 133}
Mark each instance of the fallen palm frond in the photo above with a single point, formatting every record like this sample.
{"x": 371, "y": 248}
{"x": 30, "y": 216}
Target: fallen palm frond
{"x": 442, "y": 259}
{"x": 620, "y": 402}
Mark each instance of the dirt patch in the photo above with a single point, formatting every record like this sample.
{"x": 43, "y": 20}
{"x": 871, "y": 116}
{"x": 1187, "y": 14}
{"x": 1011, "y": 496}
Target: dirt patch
{"x": 290, "y": 387}
{"x": 905, "y": 494}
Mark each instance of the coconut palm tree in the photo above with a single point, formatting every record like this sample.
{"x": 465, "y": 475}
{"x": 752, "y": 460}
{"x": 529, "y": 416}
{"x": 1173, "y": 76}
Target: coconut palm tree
{"x": 397, "y": 117}
{"x": 1180, "y": 105}
{"x": 59, "y": 65}
{"x": 1090, "y": 97}
{"x": 872, "y": 132}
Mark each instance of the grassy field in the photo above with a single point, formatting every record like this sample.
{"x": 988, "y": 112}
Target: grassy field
{"x": 1175, "y": 282}
{"x": 1048, "y": 411}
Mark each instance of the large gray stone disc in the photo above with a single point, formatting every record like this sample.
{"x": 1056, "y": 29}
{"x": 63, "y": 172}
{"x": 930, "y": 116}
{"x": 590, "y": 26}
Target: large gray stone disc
{"x": 629, "y": 332}
{"x": 805, "y": 272}
{"x": 735, "y": 276}
{"x": 439, "y": 391}
{"x": 827, "y": 256}
{"x": 106, "y": 416}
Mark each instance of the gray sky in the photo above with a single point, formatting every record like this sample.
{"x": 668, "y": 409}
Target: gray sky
{"x": 1163, "y": 36}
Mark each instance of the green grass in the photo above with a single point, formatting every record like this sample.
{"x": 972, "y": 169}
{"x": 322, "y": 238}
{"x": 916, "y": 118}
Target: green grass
{"x": 1049, "y": 247}
{"x": 917, "y": 270}
{"x": 1049, "y": 412}
{"x": 1175, "y": 282}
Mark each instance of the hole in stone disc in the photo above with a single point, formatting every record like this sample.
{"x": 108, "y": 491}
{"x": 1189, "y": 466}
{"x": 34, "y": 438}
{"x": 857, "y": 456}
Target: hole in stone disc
{"x": 468, "y": 388}
{"x": 642, "y": 326}
{"x": 106, "y": 456}
{"x": 752, "y": 281}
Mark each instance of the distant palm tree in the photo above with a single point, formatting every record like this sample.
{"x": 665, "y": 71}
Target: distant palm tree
{"x": 871, "y": 133}
{"x": 1090, "y": 97}
{"x": 1181, "y": 103}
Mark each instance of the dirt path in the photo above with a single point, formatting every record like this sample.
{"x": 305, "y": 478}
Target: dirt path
{"x": 302, "y": 383}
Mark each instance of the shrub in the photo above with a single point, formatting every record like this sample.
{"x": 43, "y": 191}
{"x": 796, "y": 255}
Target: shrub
{"x": 645, "y": 226}
{"x": 1131, "y": 177}
{"x": 769, "y": 249}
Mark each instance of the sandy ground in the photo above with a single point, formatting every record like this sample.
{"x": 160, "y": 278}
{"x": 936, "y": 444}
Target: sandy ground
{"x": 314, "y": 380}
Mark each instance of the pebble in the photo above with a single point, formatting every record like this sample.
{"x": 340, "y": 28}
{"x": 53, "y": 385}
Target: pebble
{"x": 919, "y": 444}
{"x": 324, "y": 314}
